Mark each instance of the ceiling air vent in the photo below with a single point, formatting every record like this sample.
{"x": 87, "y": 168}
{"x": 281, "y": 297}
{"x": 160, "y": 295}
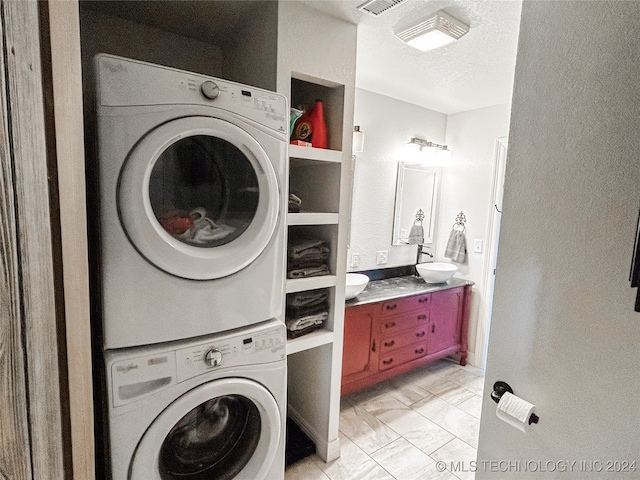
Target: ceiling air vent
{"x": 376, "y": 7}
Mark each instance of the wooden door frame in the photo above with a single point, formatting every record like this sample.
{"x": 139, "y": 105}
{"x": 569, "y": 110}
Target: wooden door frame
{"x": 46, "y": 425}
{"x": 32, "y": 374}
{"x": 68, "y": 132}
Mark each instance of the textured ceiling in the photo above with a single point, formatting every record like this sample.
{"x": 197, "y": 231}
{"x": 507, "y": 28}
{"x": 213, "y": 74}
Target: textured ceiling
{"x": 474, "y": 72}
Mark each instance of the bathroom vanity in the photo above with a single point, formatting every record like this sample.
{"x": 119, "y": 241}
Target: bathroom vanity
{"x": 401, "y": 323}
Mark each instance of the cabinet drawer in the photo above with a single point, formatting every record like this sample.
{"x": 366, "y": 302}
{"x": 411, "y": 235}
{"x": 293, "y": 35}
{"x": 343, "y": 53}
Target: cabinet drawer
{"x": 406, "y": 304}
{"x": 398, "y": 323}
{"x": 402, "y": 339}
{"x": 402, "y": 356}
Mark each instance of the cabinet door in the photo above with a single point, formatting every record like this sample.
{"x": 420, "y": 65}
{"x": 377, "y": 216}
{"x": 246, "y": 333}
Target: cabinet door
{"x": 356, "y": 353}
{"x": 444, "y": 329}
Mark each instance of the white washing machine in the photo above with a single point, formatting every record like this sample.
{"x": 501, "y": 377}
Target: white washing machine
{"x": 191, "y": 174}
{"x": 212, "y": 408}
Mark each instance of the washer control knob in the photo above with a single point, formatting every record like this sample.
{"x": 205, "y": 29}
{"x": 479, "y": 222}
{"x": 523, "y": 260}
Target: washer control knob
{"x": 213, "y": 358}
{"x": 210, "y": 90}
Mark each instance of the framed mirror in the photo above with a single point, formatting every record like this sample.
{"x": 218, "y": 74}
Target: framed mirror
{"x": 416, "y": 190}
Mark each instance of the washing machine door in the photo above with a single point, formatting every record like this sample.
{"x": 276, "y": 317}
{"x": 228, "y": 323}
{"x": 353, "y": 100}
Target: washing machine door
{"x": 225, "y": 429}
{"x": 199, "y": 198}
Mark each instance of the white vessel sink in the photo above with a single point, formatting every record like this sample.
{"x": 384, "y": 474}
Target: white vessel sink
{"x": 355, "y": 285}
{"x": 437, "y": 272}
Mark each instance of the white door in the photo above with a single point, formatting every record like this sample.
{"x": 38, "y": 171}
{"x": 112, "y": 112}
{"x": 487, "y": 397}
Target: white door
{"x": 225, "y": 429}
{"x": 564, "y": 332}
{"x": 198, "y": 198}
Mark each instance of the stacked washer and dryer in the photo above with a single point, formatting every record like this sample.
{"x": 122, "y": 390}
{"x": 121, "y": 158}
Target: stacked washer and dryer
{"x": 191, "y": 174}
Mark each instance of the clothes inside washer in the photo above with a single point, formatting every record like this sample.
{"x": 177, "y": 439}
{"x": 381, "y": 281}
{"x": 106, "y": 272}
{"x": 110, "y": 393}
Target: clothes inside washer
{"x": 214, "y": 440}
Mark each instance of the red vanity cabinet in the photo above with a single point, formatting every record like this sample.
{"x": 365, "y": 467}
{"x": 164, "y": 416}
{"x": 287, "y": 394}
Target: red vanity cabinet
{"x": 358, "y": 344}
{"x": 384, "y": 339}
{"x": 446, "y": 319}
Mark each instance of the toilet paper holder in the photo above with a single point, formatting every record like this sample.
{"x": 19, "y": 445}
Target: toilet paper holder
{"x": 499, "y": 388}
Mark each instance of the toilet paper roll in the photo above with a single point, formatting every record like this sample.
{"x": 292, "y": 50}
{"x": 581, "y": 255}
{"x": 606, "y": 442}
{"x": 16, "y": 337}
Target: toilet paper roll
{"x": 515, "y": 411}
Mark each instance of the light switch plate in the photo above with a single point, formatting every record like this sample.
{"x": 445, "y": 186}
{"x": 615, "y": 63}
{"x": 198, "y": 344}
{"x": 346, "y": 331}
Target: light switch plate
{"x": 477, "y": 245}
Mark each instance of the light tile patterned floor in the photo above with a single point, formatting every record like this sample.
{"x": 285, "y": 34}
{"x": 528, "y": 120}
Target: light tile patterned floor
{"x": 400, "y": 429}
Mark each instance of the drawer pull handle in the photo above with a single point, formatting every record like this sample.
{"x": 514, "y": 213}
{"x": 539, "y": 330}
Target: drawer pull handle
{"x": 392, "y": 307}
{"x": 433, "y": 328}
{"x": 422, "y": 317}
{"x": 421, "y": 334}
{"x": 423, "y": 300}
{"x": 388, "y": 362}
{"x": 390, "y": 325}
{"x": 419, "y": 351}
{"x": 390, "y": 344}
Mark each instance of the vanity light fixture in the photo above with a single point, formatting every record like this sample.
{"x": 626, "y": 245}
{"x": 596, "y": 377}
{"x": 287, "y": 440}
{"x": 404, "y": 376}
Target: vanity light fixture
{"x": 358, "y": 140}
{"x": 419, "y": 144}
{"x": 435, "y": 31}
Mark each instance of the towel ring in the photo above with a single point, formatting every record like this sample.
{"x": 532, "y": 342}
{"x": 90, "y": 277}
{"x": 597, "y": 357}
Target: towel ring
{"x": 460, "y": 221}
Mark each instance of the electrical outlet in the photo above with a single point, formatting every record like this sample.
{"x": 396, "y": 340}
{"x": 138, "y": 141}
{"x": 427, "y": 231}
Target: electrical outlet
{"x": 403, "y": 233}
{"x": 355, "y": 260}
{"x": 383, "y": 257}
{"x": 477, "y": 245}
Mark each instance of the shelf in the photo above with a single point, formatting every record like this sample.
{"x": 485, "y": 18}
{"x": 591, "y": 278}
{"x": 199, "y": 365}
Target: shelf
{"x": 311, "y": 283}
{"x": 312, "y": 218}
{"x": 310, "y": 340}
{"x": 317, "y": 154}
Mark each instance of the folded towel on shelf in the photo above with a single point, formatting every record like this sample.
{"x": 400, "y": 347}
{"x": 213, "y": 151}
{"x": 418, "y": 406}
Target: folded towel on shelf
{"x": 297, "y": 312}
{"x": 308, "y": 272}
{"x": 456, "y": 248}
{"x": 306, "y": 321}
{"x": 295, "y": 203}
{"x": 307, "y": 298}
{"x": 301, "y": 247}
{"x": 291, "y": 334}
{"x": 314, "y": 260}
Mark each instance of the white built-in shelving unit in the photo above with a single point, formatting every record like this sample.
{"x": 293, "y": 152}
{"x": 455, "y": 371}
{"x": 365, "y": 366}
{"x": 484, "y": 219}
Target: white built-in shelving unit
{"x": 322, "y": 179}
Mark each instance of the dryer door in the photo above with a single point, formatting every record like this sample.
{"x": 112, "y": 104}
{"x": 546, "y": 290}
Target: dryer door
{"x": 198, "y": 198}
{"x": 225, "y": 429}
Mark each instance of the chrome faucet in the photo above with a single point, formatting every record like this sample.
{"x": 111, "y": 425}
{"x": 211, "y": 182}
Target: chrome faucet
{"x": 421, "y": 252}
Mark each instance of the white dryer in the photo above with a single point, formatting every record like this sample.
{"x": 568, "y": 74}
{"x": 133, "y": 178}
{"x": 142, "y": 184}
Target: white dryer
{"x": 200, "y": 409}
{"x": 191, "y": 174}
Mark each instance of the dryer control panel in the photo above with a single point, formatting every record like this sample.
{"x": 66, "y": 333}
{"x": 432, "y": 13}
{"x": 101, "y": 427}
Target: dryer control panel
{"x": 125, "y": 82}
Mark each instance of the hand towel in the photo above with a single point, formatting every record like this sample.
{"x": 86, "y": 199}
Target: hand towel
{"x": 416, "y": 235}
{"x": 456, "y": 246}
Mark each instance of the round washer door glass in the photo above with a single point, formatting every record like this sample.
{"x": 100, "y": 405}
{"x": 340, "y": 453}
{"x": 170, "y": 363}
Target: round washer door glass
{"x": 225, "y": 429}
{"x": 199, "y": 198}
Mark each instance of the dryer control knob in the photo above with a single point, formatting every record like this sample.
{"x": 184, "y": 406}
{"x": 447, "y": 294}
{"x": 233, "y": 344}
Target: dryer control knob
{"x": 209, "y": 89}
{"x": 213, "y": 358}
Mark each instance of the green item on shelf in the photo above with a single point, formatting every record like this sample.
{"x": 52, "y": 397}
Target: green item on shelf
{"x": 294, "y": 115}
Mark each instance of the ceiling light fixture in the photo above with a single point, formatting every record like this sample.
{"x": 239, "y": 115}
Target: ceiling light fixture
{"x": 437, "y": 30}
